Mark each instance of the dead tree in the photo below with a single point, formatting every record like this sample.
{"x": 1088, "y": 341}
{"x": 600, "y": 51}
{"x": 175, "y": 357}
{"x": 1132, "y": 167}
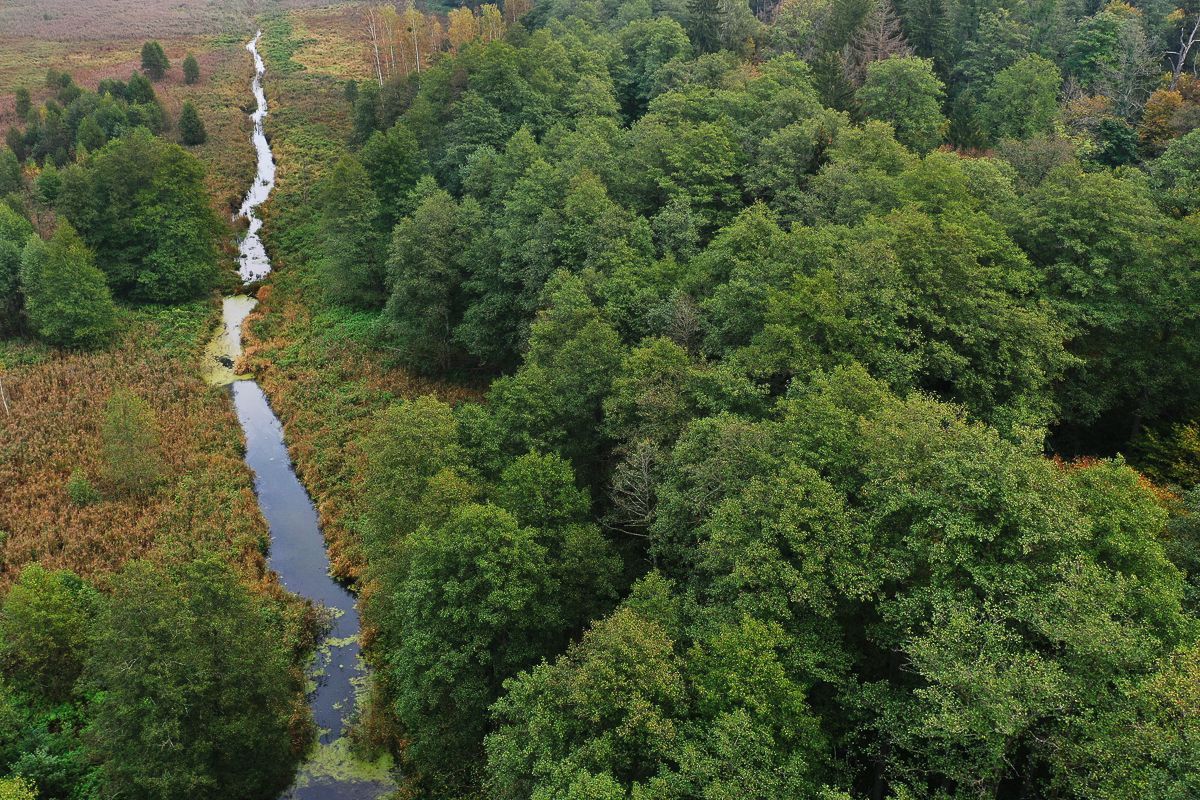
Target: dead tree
{"x": 880, "y": 36}
{"x": 1179, "y": 57}
{"x": 373, "y": 30}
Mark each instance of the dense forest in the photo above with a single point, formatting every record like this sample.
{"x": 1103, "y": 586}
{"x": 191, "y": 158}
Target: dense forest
{"x": 834, "y": 429}
{"x": 812, "y": 335}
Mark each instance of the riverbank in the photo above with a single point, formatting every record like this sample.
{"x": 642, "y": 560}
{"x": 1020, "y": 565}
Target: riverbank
{"x": 316, "y": 361}
{"x": 333, "y": 769}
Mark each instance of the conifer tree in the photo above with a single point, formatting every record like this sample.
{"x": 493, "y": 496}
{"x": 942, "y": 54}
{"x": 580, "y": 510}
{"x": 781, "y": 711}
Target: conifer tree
{"x": 154, "y": 61}
{"x": 191, "y": 70}
{"x": 704, "y": 25}
{"x": 23, "y": 102}
{"x": 139, "y": 90}
{"x": 191, "y": 127}
{"x": 880, "y": 36}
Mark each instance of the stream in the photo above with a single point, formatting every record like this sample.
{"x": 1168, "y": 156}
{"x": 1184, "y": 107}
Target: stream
{"x": 297, "y": 550}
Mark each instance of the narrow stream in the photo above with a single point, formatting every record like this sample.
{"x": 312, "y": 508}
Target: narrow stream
{"x": 297, "y": 554}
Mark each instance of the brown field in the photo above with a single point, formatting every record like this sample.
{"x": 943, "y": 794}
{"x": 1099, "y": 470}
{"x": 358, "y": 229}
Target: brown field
{"x": 56, "y": 399}
{"x": 333, "y": 41}
{"x": 78, "y": 20}
{"x": 53, "y": 428}
{"x": 324, "y": 379}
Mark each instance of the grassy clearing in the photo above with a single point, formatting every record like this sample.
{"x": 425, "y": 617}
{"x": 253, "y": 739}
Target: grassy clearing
{"x": 333, "y": 41}
{"x": 317, "y": 363}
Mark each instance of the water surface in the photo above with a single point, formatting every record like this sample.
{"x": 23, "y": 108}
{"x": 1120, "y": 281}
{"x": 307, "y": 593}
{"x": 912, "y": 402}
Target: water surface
{"x": 297, "y": 552}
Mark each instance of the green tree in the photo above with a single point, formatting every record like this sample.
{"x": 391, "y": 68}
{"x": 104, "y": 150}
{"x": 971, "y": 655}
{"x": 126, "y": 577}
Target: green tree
{"x": 66, "y": 300}
{"x": 905, "y": 92}
{"x": 191, "y": 69}
{"x": 191, "y": 127}
{"x": 415, "y": 467}
{"x": 80, "y": 489}
{"x": 1128, "y": 308}
{"x": 45, "y": 631}
{"x": 1022, "y": 100}
{"x": 141, "y": 204}
{"x": 10, "y": 172}
{"x": 599, "y": 719}
{"x": 22, "y": 102}
{"x": 648, "y": 45}
{"x": 394, "y": 162}
{"x": 478, "y": 599}
{"x": 47, "y": 185}
{"x": 429, "y": 255}
{"x": 132, "y": 461}
{"x": 540, "y": 491}
{"x": 1118, "y": 143}
{"x": 552, "y": 403}
{"x": 90, "y": 135}
{"x": 353, "y": 248}
{"x": 1175, "y": 176}
{"x": 704, "y": 24}
{"x": 15, "y": 231}
{"x": 367, "y": 112}
{"x": 206, "y": 713}
{"x": 154, "y": 61}
{"x": 139, "y": 90}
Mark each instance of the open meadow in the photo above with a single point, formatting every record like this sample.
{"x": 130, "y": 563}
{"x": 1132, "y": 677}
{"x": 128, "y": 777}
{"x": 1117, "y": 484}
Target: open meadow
{"x": 98, "y": 39}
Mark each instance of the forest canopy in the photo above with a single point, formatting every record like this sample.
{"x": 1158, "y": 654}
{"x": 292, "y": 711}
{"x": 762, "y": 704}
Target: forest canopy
{"x": 824, "y": 419}
{"x": 845, "y": 354}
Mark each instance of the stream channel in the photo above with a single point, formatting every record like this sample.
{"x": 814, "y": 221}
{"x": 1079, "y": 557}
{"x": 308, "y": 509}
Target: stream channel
{"x": 297, "y": 550}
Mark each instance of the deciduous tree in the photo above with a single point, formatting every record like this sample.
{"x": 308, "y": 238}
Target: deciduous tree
{"x": 353, "y": 247}
{"x": 66, "y": 299}
{"x": 132, "y": 461}
{"x": 904, "y": 92}
{"x": 206, "y": 713}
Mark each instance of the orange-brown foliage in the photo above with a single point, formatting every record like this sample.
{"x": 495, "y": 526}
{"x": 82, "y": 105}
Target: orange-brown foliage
{"x": 326, "y": 388}
{"x": 53, "y": 428}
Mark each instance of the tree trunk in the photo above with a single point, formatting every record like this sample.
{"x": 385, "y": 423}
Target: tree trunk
{"x": 1186, "y": 40}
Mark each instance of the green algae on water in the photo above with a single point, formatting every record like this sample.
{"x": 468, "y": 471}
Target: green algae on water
{"x": 225, "y": 347}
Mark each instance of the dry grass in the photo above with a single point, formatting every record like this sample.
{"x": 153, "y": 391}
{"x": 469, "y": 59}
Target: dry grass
{"x": 91, "y": 20}
{"x": 333, "y": 41}
{"x": 57, "y": 405}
